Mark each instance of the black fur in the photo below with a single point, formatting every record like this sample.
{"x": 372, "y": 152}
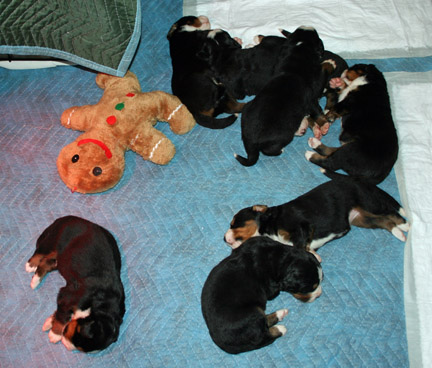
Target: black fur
{"x": 234, "y": 296}
{"x": 192, "y": 80}
{"x": 245, "y": 71}
{"x": 321, "y": 212}
{"x": 270, "y": 121}
{"x": 370, "y": 143}
{"x": 87, "y": 257}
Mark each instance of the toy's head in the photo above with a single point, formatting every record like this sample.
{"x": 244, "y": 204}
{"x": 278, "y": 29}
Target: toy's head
{"x": 90, "y": 165}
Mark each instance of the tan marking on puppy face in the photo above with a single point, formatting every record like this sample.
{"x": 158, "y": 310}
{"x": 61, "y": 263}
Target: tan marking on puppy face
{"x": 235, "y": 237}
{"x": 68, "y": 333}
{"x": 285, "y": 235}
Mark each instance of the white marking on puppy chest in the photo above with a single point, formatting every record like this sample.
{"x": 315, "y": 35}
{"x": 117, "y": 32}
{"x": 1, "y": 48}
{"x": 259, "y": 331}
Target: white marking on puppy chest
{"x": 360, "y": 81}
{"x": 81, "y": 313}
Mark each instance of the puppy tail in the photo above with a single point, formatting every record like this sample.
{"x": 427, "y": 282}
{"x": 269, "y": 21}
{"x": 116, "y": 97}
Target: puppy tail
{"x": 250, "y": 160}
{"x": 213, "y": 123}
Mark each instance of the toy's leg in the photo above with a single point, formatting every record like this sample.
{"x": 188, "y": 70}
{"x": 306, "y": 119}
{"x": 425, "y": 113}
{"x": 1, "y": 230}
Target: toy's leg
{"x": 154, "y": 146}
{"x": 175, "y": 113}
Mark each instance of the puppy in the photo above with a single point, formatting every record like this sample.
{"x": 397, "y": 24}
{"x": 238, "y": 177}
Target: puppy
{"x": 90, "y": 308}
{"x": 245, "y": 71}
{"x": 279, "y": 111}
{"x": 192, "y": 80}
{"x": 369, "y": 140}
{"x": 325, "y": 213}
{"x": 234, "y": 296}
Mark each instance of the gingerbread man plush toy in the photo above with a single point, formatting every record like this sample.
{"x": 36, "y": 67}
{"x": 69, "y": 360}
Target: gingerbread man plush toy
{"x": 122, "y": 120}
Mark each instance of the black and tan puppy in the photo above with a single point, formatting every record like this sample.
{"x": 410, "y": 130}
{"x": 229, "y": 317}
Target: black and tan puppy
{"x": 192, "y": 80}
{"x": 279, "y": 111}
{"x": 90, "y": 308}
{"x": 369, "y": 140}
{"x": 325, "y": 213}
{"x": 235, "y": 294}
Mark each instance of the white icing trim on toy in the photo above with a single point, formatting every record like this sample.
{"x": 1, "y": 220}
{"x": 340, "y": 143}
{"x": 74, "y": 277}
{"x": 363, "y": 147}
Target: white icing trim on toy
{"x": 69, "y": 118}
{"x": 133, "y": 140}
{"x": 177, "y": 109}
{"x": 155, "y": 147}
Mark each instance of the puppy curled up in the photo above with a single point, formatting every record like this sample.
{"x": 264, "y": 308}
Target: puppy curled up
{"x": 235, "y": 294}
{"x": 90, "y": 308}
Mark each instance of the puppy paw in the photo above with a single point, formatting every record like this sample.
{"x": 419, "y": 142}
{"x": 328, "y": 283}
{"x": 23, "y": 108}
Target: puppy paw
{"x": 404, "y": 227}
{"x": 29, "y": 268}
{"x": 336, "y": 83}
{"x": 47, "y": 324}
{"x": 281, "y": 314}
{"x": 313, "y": 142}
{"x": 257, "y": 39}
{"x": 282, "y": 329}
{"x": 53, "y": 337}
{"x": 397, "y": 232}
{"x": 325, "y": 128}
{"x": 309, "y": 154}
{"x": 35, "y": 281}
{"x": 238, "y": 40}
{"x": 317, "y": 132}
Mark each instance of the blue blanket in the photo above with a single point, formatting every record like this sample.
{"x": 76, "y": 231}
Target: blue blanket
{"x": 169, "y": 223}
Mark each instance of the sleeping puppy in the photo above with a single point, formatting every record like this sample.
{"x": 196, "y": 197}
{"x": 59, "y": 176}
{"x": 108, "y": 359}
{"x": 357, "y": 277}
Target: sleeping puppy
{"x": 325, "y": 213}
{"x": 279, "y": 111}
{"x": 90, "y": 308}
{"x": 369, "y": 140}
{"x": 234, "y": 296}
{"x": 192, "y": 80}
{"x": 245, "y": 71}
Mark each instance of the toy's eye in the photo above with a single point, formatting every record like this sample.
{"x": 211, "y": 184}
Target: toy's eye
{"x": 75, "y": 158}
{"x": 97, "y": 171}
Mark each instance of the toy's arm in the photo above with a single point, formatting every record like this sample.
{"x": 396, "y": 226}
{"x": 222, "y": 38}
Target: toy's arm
{"x": 153, "y": 145}
{"x": 78, "y": 117}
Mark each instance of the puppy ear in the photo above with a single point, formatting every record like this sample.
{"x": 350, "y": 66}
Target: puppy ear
{"x": 260, "y": 208}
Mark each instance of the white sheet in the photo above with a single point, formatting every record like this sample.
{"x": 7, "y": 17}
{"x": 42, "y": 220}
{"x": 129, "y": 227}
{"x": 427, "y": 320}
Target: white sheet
{"x": 353, "y": 29}
{"x": 412, "y": 109}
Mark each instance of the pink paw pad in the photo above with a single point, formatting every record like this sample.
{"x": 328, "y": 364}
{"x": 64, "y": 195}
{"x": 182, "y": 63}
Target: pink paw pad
{"x": 336, "y": 83}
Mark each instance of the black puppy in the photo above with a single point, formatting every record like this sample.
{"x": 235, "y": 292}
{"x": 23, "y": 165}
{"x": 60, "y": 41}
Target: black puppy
{"x": 235, "y": 294}
{"x": 279, "y": 111}
{"x": 192, "y": 80}
{"x": 369, "y": 139}
{"x": 90, "y": 308}
{"x": 245, "y": 71}
{"x": 321, "y": 215}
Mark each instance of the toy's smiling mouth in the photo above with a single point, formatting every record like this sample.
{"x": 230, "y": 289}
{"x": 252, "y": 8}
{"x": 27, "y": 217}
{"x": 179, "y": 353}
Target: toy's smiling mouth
{"x": 102, "y": 145}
